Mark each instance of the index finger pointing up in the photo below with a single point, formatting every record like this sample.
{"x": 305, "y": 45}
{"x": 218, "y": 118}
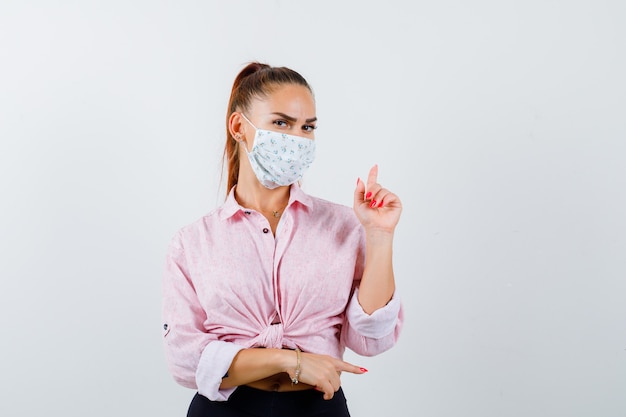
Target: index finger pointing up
{"x": 372, "y": 177}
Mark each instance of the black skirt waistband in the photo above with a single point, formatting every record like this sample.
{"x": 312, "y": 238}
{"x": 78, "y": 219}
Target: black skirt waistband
{"x": 252, "y": 402}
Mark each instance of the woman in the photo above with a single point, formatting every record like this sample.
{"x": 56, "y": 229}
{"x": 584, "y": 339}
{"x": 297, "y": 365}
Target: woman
{"x": 262, "y": 296}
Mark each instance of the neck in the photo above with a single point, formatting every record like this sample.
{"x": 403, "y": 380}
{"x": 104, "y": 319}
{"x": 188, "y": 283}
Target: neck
{"x": 251, "y": 194}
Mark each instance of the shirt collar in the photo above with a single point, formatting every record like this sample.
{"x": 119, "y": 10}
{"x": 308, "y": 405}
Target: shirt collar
{"x": 232, "y": 207}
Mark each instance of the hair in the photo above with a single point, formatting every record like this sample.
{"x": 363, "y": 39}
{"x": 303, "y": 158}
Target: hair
{"x": 256, "y": 80}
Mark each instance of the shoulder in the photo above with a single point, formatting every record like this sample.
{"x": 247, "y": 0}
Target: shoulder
{"x": 332, "y": 213}
{"x": 331, "y": 207}
{"x": 190, "y": 233}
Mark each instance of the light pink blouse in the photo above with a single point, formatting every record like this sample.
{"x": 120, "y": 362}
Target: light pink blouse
{"x": 230, "y": 284}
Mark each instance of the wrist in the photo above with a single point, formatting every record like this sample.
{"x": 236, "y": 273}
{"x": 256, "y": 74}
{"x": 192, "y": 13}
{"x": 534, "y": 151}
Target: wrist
{"x": 379, "y": 236}
{"x": 287, "y": 360}
{"x": 296, "y": 374}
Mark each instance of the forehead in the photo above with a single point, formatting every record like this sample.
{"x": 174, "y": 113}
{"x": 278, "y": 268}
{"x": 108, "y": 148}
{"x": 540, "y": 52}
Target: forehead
{"x": 292, "y": 99}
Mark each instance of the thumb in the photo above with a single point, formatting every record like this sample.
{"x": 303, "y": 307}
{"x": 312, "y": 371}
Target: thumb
{"x": 359, "y": 192}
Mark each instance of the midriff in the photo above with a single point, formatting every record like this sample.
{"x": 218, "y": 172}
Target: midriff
{"x": 280, "y": 383}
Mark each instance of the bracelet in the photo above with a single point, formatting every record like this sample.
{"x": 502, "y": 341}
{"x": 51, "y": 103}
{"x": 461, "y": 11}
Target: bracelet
{"x": 294, "y": 380}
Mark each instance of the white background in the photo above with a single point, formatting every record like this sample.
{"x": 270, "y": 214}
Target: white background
{"x": 501, "y": 125}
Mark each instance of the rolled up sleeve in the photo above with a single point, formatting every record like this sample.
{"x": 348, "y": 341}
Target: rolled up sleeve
{"x": 195, "y": 358}
{"x": 371, "y": 334}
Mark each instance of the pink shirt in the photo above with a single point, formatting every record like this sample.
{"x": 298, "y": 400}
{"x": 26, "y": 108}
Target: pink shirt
{"x": 231, "y": 284}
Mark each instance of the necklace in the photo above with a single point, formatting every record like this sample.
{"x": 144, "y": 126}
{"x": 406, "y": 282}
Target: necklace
{"x": 275, "y": 213}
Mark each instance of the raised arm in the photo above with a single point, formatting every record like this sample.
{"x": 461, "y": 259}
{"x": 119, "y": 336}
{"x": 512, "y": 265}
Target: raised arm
{"x": 378, "y": 210}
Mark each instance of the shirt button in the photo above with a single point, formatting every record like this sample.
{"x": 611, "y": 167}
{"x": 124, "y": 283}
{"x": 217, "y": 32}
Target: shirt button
{"x": 165, "y": 327}
{"x": 247, "y": 212}
{"x": 266, "y": 230}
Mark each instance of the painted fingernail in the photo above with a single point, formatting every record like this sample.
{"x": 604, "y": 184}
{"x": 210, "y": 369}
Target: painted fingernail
{"x": 380, "y": 204}
{"x": 363, "y": 370}
{"x": 373, "y": 204}
{"x": 368, "y": 195}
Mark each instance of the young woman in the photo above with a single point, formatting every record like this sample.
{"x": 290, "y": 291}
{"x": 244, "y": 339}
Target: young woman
{"x": 262, "y": 296}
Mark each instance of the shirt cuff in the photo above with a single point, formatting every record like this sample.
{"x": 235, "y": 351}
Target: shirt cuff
{"x": 214, "y": 363}
{"x": 376, "y": 325}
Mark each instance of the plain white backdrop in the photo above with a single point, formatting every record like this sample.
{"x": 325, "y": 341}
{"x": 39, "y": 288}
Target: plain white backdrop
{"x": 500, "y": 124}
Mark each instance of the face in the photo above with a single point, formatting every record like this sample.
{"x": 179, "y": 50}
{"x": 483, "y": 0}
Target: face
{"x": 288, "y": 109}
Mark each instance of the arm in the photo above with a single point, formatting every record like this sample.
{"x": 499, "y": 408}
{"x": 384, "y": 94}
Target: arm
{"x": 319, "y": 371}
{"x": 378, "y": 210}
{"x": 254, "y": 364}
{"x": 378, "y": 283}
{"x": 374, "y": 315}
{"x": 195, "y": 358}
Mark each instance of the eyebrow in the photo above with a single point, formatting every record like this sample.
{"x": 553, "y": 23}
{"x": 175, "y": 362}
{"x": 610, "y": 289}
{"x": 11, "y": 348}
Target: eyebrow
{"x": 293, "y": 119}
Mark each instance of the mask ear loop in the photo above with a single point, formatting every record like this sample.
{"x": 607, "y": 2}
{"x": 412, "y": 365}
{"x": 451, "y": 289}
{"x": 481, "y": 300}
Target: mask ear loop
{"x": 240, "y": 140}
{"x": 238, "y": 137}
{"x": 244, "y": 116}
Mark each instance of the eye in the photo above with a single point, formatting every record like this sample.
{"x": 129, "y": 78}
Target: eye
{"x": 281, "y": 123}
{"x": 309, "y": 128}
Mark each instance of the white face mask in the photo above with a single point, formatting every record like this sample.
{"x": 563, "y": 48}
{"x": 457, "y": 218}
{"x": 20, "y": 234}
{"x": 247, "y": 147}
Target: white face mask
{"x": 279, "y": 159}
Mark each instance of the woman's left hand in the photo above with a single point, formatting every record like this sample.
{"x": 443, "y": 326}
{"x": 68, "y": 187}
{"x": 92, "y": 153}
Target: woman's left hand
{"x": 376, "y": 207}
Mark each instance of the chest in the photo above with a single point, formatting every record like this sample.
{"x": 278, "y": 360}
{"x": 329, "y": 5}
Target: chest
{"x": 314, "y": 266}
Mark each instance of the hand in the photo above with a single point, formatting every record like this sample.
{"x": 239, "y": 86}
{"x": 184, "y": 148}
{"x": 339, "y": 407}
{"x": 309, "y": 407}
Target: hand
{"x": 376, "y": 207}
{"x": 323, "y": 372}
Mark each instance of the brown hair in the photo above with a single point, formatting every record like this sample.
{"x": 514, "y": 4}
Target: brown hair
{"x": 256, "y": 80}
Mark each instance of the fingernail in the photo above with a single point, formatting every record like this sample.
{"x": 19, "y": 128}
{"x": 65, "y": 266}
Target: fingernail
{"x": 363, "y": 370}
{"x": 357, "y": 181}
{"x": 373, "y": 204}
{"x": 368, "y": 195}
{"x": 381, "y": 204}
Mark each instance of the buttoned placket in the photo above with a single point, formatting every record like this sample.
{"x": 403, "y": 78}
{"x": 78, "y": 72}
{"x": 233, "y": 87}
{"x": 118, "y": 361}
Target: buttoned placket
{"x": 281, "y": 241}
{"x": 274, "y": 245}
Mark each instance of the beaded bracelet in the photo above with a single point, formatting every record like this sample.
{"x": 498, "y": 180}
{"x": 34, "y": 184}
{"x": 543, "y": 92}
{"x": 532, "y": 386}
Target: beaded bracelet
{"x": 294, "y": 380}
